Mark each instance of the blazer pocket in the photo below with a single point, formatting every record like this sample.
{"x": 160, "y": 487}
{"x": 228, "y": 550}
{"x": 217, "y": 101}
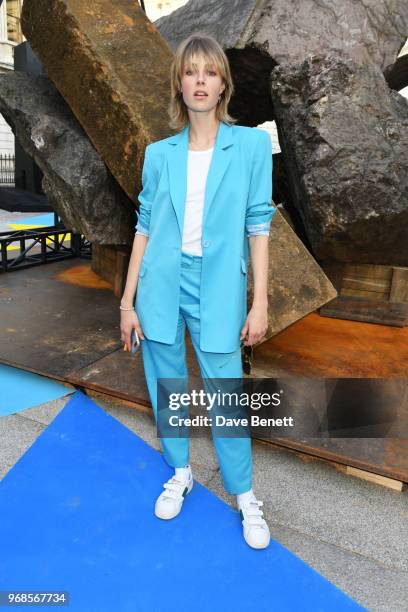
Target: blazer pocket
{"x": 243, "y": 265}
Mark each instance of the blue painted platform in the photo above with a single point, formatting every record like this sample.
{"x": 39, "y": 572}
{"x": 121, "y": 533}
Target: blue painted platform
{"x": 21, "y": 389}
{"x": 36, "y": 220}
{"x": 77, "y": 515}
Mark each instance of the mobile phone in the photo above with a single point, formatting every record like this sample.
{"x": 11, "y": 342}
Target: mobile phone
{"x": 134, "y": 341}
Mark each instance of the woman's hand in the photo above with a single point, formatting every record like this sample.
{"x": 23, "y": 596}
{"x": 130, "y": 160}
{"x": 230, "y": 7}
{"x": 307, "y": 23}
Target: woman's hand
{"x": 129, "y": 321}
{"x": 256, "y": 324}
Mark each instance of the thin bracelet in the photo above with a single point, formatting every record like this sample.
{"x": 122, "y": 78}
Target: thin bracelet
{"x": 122, "y": 308}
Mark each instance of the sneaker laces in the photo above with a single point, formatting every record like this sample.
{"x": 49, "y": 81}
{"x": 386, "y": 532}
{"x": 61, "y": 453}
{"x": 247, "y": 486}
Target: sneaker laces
{"x": 252, "y": 514}
{"x": 174, "y": 487}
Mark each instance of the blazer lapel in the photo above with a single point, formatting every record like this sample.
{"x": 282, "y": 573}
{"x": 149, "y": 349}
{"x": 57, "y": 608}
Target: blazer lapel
{"x": 177, "y": 169}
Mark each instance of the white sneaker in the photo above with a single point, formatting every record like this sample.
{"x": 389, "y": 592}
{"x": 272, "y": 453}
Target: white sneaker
{"x": 255, "y": 528}
{"x": 169, "y": 502}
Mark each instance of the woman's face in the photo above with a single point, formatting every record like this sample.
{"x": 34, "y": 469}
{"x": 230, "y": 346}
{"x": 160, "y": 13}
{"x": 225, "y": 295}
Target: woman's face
{"x": 198, "y": 77}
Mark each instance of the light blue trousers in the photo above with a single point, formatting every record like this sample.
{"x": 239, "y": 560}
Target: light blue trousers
{"x": 169, "y": 361}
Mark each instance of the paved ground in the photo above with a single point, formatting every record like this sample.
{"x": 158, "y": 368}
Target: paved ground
{"x": 353, "y": 532}
{"x": 19, "y": 200}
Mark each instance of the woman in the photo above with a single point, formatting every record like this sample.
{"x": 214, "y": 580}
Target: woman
{"x": 207, "y": 192}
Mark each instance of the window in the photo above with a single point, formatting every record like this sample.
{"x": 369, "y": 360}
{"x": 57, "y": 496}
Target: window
{"x": 13, "y": 11}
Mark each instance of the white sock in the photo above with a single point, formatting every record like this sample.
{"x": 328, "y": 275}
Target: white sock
{"x": 245, "y": 497}
{"x": 183, "y": 473}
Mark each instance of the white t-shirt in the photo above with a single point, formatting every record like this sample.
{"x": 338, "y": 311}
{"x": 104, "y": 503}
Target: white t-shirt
{"x": 198, "y": 164}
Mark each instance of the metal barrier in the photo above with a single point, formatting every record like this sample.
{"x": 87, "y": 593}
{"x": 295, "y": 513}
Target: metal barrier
{"x": 40, "y": 246}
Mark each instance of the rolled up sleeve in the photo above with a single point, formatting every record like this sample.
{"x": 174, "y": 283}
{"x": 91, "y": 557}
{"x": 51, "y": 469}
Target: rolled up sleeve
{"x": 260, "y": 209}
{"x": 146, "y": 196}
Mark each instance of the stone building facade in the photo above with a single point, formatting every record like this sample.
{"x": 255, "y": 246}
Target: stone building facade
{"x": 10, "y": 36}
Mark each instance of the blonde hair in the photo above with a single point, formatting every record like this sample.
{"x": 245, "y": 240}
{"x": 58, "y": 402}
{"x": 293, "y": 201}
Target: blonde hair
{"x": 211, "y": 50}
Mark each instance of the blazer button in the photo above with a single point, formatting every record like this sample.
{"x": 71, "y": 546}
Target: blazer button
{"x": 206, "y": 243}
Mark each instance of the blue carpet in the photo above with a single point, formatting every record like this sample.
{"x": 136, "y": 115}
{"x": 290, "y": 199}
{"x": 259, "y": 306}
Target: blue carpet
{"x": 77, "y": 515}
{"x": 21, "y": 390}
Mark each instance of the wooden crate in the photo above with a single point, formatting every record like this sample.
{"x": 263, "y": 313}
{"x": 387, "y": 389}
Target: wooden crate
{"x": 111, "y": 263}
{"x": 368, "y": 292}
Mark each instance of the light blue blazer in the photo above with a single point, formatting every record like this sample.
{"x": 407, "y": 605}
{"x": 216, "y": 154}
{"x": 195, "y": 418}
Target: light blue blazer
{"x": 238, "y": 201}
